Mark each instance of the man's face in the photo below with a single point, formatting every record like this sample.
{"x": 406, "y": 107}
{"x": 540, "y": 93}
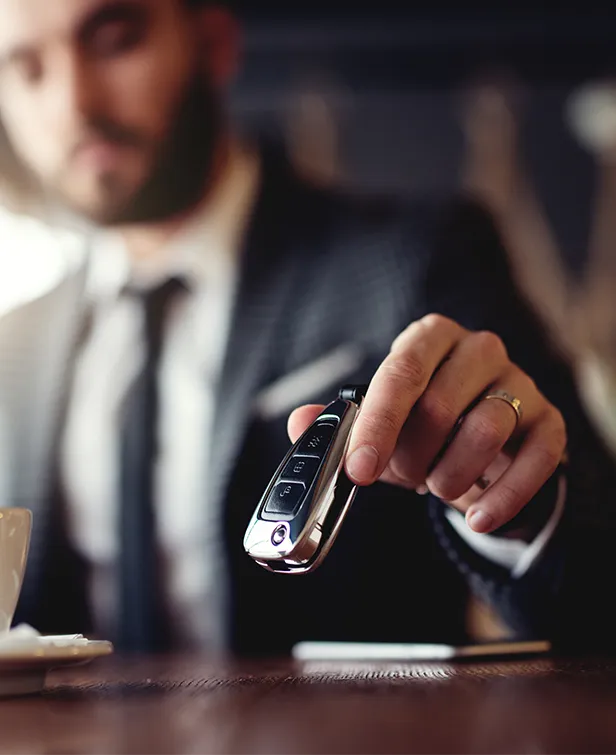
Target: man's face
{"x": 107, "y": 103}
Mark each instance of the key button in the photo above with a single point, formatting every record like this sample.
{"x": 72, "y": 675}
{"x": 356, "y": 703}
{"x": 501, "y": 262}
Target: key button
{"x": 285, "y": 498}
{"x": 301, "y": 468}
{"x": 317, "y": 440}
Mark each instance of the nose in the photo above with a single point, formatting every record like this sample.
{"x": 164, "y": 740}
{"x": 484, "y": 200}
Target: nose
{"x": 74, "y": 94}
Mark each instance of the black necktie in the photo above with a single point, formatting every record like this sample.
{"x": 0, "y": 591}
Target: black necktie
{"x": 143, "y": 621}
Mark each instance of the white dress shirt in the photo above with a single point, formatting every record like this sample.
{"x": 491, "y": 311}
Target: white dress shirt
{"x": 205, "y": 254}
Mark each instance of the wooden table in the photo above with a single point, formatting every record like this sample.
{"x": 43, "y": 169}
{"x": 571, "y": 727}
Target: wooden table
{"x": 190, "y": 705}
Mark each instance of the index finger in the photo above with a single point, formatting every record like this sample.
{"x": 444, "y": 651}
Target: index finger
{"x": 397, "y": 384}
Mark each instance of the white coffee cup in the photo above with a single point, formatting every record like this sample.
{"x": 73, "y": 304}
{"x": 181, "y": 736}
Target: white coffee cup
{"x": 15, "y": 527}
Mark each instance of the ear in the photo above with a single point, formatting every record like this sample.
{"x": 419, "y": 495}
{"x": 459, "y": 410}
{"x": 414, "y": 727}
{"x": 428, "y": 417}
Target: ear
{"x": 220, "y": 34}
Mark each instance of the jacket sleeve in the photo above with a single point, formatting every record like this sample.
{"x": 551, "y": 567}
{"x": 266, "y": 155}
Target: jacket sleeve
{"x": 563, "y": 596}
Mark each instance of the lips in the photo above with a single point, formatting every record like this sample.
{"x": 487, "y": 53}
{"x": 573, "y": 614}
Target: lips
{"x": 99, "y": 155}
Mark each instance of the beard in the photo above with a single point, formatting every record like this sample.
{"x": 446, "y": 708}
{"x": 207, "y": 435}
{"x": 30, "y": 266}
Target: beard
{"x": 182, "y": 165}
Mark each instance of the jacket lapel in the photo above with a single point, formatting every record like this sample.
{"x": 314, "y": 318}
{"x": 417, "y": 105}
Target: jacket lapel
{"x": 36, "y": 347}
{"x": 267, "y": 279}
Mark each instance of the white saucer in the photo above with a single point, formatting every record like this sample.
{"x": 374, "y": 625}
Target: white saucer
{"x": 24, "y": 665}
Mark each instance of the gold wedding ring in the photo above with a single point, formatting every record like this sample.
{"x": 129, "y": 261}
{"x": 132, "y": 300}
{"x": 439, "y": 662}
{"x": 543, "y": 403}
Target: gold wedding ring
{"x": 513, "y": 402}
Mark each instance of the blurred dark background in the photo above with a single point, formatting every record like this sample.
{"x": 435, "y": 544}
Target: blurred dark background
{"x": 392, "y": 79}
{"x": 434, "y": 98}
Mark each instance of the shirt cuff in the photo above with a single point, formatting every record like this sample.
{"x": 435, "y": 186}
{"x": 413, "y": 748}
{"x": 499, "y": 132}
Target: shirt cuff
{"x": 515, "y": 555}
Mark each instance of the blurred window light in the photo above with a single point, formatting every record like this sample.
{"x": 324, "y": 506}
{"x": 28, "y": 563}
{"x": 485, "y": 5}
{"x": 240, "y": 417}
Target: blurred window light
{"x": 591, "y": 112}
{"x": 34, "y": 257}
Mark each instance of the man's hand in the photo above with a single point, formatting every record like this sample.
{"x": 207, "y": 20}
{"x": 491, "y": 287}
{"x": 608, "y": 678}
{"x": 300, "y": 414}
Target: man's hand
{"x": 436, "y": 373}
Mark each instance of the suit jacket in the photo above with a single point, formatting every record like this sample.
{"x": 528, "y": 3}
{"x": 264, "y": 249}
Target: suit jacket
{"x": 325, "y": 276}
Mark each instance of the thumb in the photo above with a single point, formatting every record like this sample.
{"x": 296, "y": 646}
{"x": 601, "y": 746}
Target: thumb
{"x": 301, "y": 418}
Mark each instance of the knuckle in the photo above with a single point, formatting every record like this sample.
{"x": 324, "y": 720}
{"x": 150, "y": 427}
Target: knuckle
{"x": 445, "y": 486}
{"x": 407, "y": 370}
{"x": 485, "y": 435}
{"x": 436, "y": 411}
{"x": 404, "y": 470}
{"x": 509, "y": 501}
{"x": 559, "y": 427}
{"x": 434, "y": 320}
{"x": 384, "y": 423}
{"x": 554, "y": 438}
{"x": 548, "y": 455}
{"x": 431, "y": 321}
{"x": 489, "y": 345}
{"x": 401, "y": 340}
{"x": 527, "y": 385}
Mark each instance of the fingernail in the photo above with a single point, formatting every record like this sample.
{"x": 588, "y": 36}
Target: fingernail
{"x": 480, "y": 521}
{"x": 362, "y": 464}
{"x": 422, "y": 490}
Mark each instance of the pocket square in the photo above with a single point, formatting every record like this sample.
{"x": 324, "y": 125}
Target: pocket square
{"x": 307, "y": 381}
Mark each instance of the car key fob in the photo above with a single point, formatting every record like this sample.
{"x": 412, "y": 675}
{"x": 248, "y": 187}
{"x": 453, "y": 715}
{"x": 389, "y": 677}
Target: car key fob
{"x": 303, "y": 507}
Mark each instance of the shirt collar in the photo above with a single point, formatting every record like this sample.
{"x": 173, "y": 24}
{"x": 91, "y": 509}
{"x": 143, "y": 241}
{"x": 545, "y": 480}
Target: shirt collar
{"x": 205, "y": 250}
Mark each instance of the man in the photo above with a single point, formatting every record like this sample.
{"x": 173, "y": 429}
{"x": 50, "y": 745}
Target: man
{"x": 224, "y": 293}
